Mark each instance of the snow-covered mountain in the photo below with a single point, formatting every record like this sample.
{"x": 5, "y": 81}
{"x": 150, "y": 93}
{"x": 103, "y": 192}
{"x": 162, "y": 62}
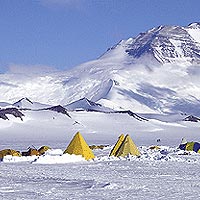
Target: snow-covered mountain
{"x": 26, "y": 103}
{"x": 87, "y": 105}
{"x": 166, "y": 44}
{"x": 155, "y": 72}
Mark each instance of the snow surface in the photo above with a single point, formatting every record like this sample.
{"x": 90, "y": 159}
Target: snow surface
{"x": 166, "y": 173}
{"x": 195, "y": 34}
{"x": 157, "y": 174}
{"x": 54, "y": 129}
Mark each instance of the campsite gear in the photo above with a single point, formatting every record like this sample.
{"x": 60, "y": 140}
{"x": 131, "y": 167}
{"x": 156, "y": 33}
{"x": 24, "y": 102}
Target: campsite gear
{"x": 183, "y": 144}
{"x": 154, "y": 147}
{"x": 78, "y": 146}
{"x": 11, "y": 152}
{"x": 189, "y": 146}
{"x": 43, "y": 149}
{"x": 117, "y": 145}
{"x": 98, "y": 146}
{"x": 184, "y": 141}
{"x": 196, "y": 147}
{"x": 127, "y": 147}
{"x": 31, "y": 152}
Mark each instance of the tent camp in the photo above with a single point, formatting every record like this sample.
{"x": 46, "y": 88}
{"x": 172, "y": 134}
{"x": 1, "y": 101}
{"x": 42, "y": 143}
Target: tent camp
{"x": 78, "y": 146}
{"x": 43, "y": 149}
{"x": 11, "y": 152}
{"x": 31, "y": 152}
{"x": 126, "y": 147}
{"x": 189, "y": 146}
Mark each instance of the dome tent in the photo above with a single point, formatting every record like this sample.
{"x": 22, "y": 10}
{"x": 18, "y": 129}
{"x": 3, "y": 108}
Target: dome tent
{"x": 11, "y": 152}
{"x": 189, "y": 146}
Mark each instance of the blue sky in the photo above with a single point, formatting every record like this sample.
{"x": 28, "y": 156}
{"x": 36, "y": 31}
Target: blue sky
{"x": 64, "y": 33}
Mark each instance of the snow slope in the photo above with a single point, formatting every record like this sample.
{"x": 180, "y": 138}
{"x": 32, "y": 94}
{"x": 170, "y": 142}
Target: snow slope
{"x": 155, "y": 72}
{"x": 46, "y": 127}
{"x": 26, "y": 103}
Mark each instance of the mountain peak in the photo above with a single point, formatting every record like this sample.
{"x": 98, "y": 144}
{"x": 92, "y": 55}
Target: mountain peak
{"x": 26, "y": 103}
{"x": 155, "y": 72}
{"x": 86, "y": 104}
{"x": 22, "y": 102}
{"x": 165, "y": 44}
{"x": 195, "y": 25}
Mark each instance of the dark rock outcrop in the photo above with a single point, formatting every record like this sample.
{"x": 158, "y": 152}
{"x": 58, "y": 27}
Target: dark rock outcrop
{"x": 12, "y": 111}
{"x": 192, "y": 118}
{"x": 58, "y": 109}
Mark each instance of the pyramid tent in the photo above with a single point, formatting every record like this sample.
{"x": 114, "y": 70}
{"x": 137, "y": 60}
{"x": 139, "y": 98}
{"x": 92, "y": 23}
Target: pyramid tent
{"x": 78, "y": 146}
{"x": 117, "y": 145}
{"x": 127, "y": 147}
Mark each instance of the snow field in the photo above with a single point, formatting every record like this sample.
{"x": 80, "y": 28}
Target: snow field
{"x": 149, "y": 177}
{"x": 165, "y": 173}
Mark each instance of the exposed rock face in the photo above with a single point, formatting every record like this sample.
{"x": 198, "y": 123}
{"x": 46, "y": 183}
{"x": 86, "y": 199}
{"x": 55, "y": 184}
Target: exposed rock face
{"x": 192, "y": 118}
{"x": 58, "y": 109}
{"x": 87, "y": 105}
{"x": 166, "y": 44}
{"x": 12, "y": 111}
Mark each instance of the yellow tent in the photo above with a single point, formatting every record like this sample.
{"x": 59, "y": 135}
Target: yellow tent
{"x": 31, "y": 152}
{"x": 43, "y": 149}
{"x": 11, "y": 152}
{"x": 127, "y": 147}
{"x": 117, "y": 145}
{"x": 78, "y": 146}
{"x": 189, "y": 146}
